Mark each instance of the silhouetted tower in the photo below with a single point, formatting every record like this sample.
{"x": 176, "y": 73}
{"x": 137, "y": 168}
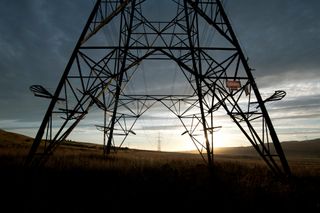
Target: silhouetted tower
{"x": 100, "y": 70}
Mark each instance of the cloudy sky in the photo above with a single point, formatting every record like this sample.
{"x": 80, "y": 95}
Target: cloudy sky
{"x": 281, "y": 38}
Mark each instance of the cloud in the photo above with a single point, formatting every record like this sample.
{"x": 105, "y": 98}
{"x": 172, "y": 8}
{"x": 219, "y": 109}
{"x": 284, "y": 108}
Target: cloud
{"x": 278, "y": 36}
{"x": 36, "y": 39}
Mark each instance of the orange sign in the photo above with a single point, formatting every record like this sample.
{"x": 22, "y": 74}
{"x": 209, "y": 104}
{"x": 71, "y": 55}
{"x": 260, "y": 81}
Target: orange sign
{"x": 233, "y": 85}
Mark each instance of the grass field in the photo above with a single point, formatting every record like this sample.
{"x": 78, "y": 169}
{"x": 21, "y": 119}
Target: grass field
{"x": 79, "y": 179}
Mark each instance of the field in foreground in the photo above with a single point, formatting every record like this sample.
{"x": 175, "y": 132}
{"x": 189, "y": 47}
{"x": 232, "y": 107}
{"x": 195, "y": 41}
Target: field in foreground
{"x": 79, "y": 179}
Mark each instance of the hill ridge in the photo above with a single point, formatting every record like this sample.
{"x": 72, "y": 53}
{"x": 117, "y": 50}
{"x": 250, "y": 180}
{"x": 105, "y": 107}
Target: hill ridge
{"x": 305, "y": 148}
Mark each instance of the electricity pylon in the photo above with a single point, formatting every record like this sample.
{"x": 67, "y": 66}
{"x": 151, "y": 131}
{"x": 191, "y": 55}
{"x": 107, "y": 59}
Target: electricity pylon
{"x": 215, "y": 68}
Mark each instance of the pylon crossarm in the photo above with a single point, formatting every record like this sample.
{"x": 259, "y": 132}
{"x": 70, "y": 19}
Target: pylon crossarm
{"x": 40, "y": 91}
{"x": 276, "y": 96}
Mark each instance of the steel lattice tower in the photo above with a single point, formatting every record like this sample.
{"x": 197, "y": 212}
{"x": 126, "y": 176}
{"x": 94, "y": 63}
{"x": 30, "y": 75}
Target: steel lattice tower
{"x": 218, "y": 73}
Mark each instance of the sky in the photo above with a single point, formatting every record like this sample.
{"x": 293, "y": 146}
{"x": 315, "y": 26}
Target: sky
{"x": 280, "y": 38}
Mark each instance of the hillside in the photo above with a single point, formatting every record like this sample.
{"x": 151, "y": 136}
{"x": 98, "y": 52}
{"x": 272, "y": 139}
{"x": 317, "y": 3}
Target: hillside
{"x": 307, "y": 148}
{"x": 292, "y": 149}
{"x": 10, "y": 138}
{"x": 77, "y": 178}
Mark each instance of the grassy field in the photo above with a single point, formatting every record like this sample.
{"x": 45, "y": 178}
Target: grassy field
{"x": 79, "y": 179}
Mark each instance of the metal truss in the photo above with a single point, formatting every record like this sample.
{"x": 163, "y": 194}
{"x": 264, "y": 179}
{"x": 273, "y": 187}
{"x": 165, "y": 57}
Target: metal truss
{"x": 217, "y": 72}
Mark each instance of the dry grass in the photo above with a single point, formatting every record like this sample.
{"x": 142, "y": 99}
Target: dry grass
{"x": 80, "y": 179}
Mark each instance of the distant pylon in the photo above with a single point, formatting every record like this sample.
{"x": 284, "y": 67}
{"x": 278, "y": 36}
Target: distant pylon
{"x": 99, "y": 71}
{"x": 159, "y": 143}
